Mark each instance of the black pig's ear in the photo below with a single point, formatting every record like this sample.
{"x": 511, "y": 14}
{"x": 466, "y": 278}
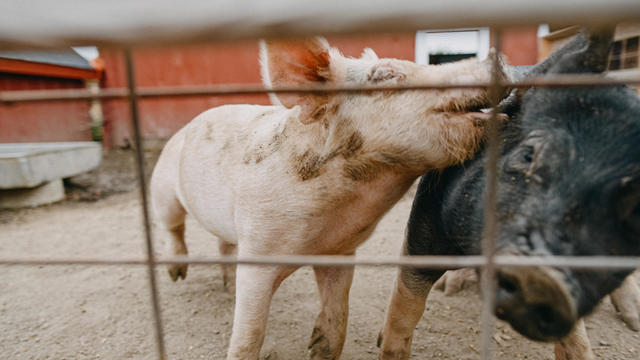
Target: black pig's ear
{"x": 593, "y": 57}
{"x": 586, "y": 52}
{"x": 629, "y": 204}
{"x": 600, "y": 42}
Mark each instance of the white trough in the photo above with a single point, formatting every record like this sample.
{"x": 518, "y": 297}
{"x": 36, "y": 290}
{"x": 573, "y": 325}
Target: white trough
{"x": 31, "y": 173}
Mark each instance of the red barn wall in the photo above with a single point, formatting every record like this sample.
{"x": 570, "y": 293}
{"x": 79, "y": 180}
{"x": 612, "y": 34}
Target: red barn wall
{"x": 46, "y": 121}
{"x": 520, "y": 45}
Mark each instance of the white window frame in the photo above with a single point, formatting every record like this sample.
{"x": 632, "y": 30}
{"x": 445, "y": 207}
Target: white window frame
{"x": 422, "y": 43}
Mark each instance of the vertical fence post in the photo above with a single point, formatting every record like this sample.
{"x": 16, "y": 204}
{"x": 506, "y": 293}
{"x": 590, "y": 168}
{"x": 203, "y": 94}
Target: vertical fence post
{"x": 490, "y": 231}
{"x": 96, "y": 115}
{"x": 133, "y": 105}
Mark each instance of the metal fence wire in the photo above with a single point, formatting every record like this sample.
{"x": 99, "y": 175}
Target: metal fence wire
{"x": 488, "y": 261}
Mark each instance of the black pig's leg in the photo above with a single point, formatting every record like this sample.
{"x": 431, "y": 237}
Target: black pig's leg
{"x": 405, "y": 310}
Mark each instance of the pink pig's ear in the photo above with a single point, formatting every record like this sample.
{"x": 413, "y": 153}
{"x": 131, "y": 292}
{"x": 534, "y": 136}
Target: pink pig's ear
{"x": 293, "y": 63}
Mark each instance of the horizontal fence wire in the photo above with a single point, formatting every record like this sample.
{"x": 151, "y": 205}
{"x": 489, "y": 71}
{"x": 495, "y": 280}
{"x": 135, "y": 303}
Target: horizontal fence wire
{"x": 426, "y": 261}
{"x": 582, "y": 80}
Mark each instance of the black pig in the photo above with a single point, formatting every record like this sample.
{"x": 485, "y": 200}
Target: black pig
{"x": 569, "y": 184}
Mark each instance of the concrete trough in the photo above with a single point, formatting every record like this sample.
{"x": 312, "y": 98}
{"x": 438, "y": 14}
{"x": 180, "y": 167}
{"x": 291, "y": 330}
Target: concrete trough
{"x": 31, "y": 173}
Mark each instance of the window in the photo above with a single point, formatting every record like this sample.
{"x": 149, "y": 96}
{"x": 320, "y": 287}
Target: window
{"x": 441, "y": 46}
{"x": 624, "y": 54}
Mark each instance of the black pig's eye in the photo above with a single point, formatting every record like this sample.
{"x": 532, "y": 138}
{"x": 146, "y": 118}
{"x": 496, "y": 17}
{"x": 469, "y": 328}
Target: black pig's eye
{"x": 520, "y": 160}
{"x": 527, "y": 155}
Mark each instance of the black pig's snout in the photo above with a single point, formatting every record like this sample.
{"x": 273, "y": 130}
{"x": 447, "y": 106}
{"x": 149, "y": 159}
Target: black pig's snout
{"x": 536, "y": 302}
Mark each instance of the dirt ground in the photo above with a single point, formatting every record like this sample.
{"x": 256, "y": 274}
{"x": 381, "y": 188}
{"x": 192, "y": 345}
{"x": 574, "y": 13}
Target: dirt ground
{"x": 103, "y": 312}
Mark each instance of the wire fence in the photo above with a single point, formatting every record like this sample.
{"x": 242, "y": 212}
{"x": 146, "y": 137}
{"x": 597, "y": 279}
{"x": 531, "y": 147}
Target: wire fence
{"x": 488, "y": 261}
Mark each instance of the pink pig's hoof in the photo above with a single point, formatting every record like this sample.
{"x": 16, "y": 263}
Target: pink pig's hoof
{"x": 178, "y": 271}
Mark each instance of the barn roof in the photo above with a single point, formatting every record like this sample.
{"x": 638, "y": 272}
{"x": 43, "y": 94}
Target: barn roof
{"x": 63, "y": 63}
{"x": 65, "y": 57}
